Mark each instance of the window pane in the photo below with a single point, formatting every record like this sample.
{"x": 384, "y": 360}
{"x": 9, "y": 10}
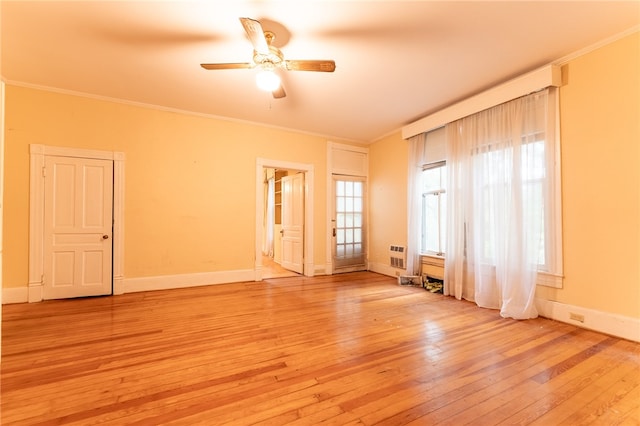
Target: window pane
{"x": 349, "y": 220}
{"x": 340, "y": 220}
{"x": 443, "y": 222}
{"x": 431, "y": 224}
{"x": 357, "y": 204}
{"x": 357, "y": 235}
{"x": 434, "y": 204}
{"x": 433, "y": 179}
{"x": 348, "y": 235}
{"x": 357, "y": 220}
{"x": 357, "y": 189}
{"x": 348, "y": 189}
{"x": 340, "y": 188}
{"x": 533, "y": 161}
{"x": 340, "y": 204}
{"x": 534, "y": 217}
{"x": 340, "y": 236}
{"x": 348, "y": 204}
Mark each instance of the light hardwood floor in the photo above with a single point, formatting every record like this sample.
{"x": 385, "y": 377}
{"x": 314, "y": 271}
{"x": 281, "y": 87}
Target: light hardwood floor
{"x": 351, "y": 349}
{"x": 272, "y": 269}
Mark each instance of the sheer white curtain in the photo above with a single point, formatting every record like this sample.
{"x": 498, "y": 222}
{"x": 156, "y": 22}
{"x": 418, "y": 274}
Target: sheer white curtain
{"x": 414, "y": 201}
{"x": 267, "y": 247}
{"x": 496, "y": 186}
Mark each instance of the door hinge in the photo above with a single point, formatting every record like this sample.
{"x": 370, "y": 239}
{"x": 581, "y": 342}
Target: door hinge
{"x": 42, "y": 279}
{"x": 44, "y": 171}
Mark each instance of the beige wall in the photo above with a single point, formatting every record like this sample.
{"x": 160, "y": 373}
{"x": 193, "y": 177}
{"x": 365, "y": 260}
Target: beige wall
{"x": 189, "y": 181}
{"x": 388, "y": 196}
{"x": 600, "y": 131}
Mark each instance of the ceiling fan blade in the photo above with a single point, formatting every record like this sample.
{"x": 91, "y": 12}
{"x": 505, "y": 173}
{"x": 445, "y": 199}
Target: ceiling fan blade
{"x": 310, "y": 65}
{"x": 256, "y": 35}
{"x": 279, "y": 92}
{"x": 231, "y": 66}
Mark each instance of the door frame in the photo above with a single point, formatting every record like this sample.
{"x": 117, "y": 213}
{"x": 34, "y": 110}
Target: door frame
{"x": 308, "y": 170}
{"x": 347, "y": 160}
{"x": 37, "y": 154}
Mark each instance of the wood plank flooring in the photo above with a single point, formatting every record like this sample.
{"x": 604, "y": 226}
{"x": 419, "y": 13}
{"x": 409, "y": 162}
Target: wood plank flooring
{"x": 272, "y": 269}
{"x": 350, "y": 349}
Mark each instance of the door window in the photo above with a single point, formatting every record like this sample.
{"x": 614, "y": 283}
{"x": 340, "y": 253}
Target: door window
{"x": 349, "y": 247}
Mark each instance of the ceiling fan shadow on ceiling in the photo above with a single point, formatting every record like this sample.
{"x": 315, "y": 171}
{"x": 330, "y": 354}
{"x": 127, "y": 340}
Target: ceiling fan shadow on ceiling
{"x": 268, "y": 58}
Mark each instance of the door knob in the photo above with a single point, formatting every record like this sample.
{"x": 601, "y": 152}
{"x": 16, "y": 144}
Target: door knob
{"x": 105, "y": 237}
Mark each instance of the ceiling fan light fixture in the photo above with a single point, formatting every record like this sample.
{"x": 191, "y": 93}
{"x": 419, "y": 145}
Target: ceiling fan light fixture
{"x": 267, "y": 58}
{"x": 267, "y": 80}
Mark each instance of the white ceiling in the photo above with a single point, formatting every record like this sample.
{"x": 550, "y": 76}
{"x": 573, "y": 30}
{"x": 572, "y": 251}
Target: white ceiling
{"x": 395, "y": 61}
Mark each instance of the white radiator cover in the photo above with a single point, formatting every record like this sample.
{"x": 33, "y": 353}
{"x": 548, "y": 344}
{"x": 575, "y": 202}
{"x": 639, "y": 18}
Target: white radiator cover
{"x": 397, "y": 256}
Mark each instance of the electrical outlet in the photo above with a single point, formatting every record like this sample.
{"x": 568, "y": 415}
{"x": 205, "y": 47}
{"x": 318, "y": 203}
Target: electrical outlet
{"x": 397, "y": 273}
{"x": 576, "y": 317}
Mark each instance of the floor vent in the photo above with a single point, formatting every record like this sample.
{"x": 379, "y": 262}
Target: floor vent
{"x": 397, "y": 256}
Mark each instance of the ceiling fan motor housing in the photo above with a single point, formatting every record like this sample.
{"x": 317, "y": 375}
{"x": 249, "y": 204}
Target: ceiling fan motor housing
{"x": 273, "y": 58}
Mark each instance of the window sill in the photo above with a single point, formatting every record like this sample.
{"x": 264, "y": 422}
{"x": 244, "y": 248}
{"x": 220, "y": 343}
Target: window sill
{"x": 431, "y": 256}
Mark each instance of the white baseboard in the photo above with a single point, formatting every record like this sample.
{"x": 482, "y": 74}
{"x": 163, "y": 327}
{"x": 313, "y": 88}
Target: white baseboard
{"x": 603, "y": 322}
{"x": 15, "y": 295}
{"x": 167, "y": 282}
{"x": 132, "y": 285}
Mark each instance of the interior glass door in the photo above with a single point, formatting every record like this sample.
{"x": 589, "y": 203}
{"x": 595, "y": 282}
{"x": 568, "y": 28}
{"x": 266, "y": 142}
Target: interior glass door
{"x": 349, "y": 243}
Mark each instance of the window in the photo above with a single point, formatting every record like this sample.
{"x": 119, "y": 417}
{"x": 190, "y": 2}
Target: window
{"x": 498, "y": 198}
{"x": 426, "y": 197}
{"x": 532, "y": 160}
{"x": 503, "y": 184}
{"x": 536, "y": 198}
{"x": 434, "y": 208}
{"x": 349, "y": 221}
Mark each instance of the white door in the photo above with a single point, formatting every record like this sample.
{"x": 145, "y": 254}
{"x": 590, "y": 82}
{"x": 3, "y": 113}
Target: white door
{"x": 348, "y": 224}
{"x": 78, "y": 227}
{"x": 292, "y": 222}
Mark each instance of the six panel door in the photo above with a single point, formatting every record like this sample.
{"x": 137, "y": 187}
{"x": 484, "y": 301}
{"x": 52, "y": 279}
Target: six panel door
{"x": 78, "y": 216}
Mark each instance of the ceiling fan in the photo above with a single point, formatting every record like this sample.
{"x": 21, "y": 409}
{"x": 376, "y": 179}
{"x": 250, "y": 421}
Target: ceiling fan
{"x": 268, "y": 58}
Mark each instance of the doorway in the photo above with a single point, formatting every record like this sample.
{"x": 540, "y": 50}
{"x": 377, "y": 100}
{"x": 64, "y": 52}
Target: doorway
{"x": 284, "y": 219}
{"x": 283, "y": 229}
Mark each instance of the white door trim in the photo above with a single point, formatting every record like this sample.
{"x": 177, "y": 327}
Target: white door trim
{"x": 36, "y": 213}
{"x": 307, "y": 169}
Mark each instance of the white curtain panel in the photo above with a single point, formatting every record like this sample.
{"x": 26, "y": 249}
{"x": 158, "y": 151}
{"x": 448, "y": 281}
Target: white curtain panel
{"x": 267, "y": 247}
{"x": 496, "y": 186}
{"x": 414, "y": 201}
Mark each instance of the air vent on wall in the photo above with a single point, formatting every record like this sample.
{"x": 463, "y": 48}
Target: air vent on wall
{"x": 397, "y": 256}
